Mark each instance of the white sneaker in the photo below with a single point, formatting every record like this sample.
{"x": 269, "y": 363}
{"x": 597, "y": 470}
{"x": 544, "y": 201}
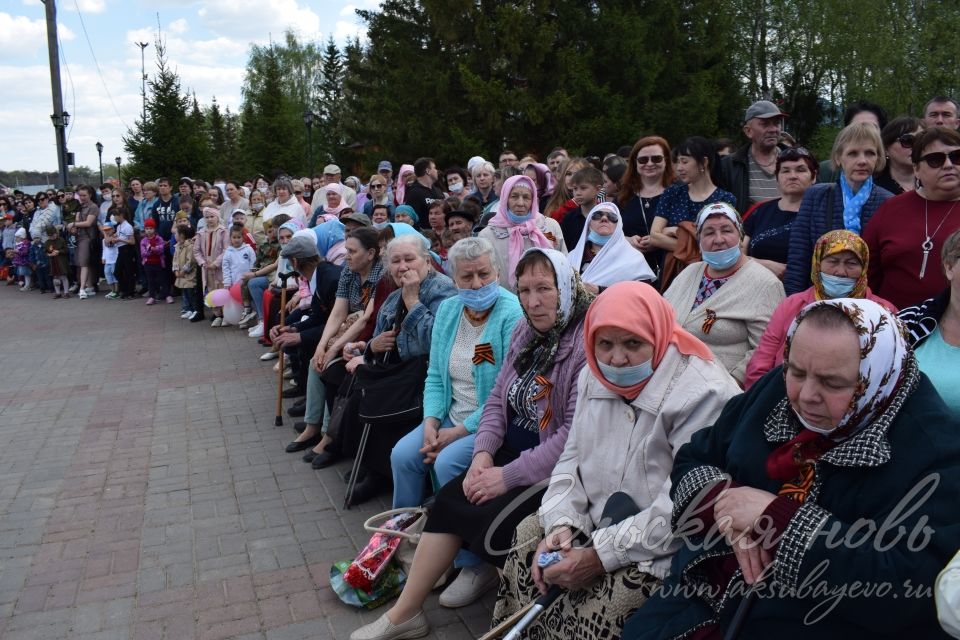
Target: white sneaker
{"x": 185, "y": 314}
{"x": 269, "y": 355}
{"x": 257, "y": 331}
{"x": 74, "y": 288}
{"x": 247, "y": 317}
{"x": 217, "y": 322}
{"x": 470, "y": 585}
{"x": 383, "y": 629}
{"x": 83, "y": 295}
{"x": 91, "y": 291}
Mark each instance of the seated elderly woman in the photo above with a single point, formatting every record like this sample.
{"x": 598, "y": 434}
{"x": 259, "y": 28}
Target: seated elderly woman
{"x": 648, "y": 388}
{"x": 835, "y": 475}
{"x": 471, "y": 336}
{"x": 839, "y": 270}
{"x": 933, "y": 329}
{"x": 405, "y": 326}
{"x": 518, "y": 226}
{"x": 522, "y": 432}
{"x": 726, "y": 300}
{"x": 604, "y": 256}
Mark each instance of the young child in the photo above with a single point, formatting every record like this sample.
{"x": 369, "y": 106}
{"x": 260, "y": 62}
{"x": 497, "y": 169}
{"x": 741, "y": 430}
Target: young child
{"x": 127, "y": 268}
{"x": 9, "y": 241}
{"x": 41, "y": 265}
{"x": 108, "y": 256}
{"x": 21, "y": 259}
{"x": 208, "y": 249}
{"x": 185, "y": 272}
{"x": 587, "y": 183}
{"x": 152, "y": 255}
{"x": 238, "y": 259}
{"x": 240, "y": 218}
{"x": 56, "y": 249}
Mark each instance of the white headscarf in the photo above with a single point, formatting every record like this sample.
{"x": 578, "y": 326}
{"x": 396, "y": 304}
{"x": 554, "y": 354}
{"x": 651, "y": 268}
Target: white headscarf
{"x": 617, "y": 261}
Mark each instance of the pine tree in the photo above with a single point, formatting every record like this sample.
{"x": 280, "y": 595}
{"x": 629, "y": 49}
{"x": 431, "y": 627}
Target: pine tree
{"x": 331, "y": 99}
{"x": 218, "y": 142}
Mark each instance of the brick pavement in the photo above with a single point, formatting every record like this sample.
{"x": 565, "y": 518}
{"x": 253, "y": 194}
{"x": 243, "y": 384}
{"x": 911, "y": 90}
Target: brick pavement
{"x": 145, "y": 493}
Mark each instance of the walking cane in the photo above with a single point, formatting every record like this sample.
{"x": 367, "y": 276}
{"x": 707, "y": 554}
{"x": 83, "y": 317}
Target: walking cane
{"x": 278, "y": 420}
{"x": 619, "y": 507}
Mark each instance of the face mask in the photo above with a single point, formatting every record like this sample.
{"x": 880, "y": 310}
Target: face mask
{"x": 379, "y": 226}
{"x": 257, "y": 206}
{"x": 480, "y": 299}
{"x": 108, "y": 197}
{"x": 456, "y": 187}
{"x": 724, "y": 259}
{"x": 814, "y": 428}
{"x": 596, "y": 238}
{"x": 515, "y": 219}
{"x": 262, "y": 190}
{"x": 626, "y": 376}
{"x": 307, "y": 194}
{"x": 836, "y": 286}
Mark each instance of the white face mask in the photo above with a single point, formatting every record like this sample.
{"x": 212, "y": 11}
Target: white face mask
{"x": 456, "y": 187}
{"x": 806, "y": 425}
{"x": 107, "y": 197}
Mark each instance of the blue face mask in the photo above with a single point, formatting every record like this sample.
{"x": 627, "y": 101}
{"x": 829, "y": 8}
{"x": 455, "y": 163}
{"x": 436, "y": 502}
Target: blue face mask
{"x": 836, "y": 286}
{"x": 596, "y": 238}
{"x": 480, "y": 299}
{"x": 723, "y": 259}
{"x": 379, "y": 226}
{"x": 515, "y": 219}
{"x": 626, "y": 376}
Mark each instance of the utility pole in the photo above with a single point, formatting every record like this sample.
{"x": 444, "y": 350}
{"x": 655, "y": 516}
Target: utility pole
{"x": 143, "y": 76}
{"x": 60, "y": 118}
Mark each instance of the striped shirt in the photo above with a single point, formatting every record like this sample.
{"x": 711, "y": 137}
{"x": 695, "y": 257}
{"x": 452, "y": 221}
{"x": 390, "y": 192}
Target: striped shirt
{"x": 763, "y": 185}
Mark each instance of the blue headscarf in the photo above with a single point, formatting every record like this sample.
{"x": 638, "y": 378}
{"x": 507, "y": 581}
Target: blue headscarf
{"x": 329, "y": 234}
{"x": 407, "y": 209}
{"x": 403, "y": 229}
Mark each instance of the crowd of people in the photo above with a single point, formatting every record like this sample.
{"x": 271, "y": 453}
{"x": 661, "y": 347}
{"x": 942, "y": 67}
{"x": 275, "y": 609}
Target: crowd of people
{"x": 689, "y": 385}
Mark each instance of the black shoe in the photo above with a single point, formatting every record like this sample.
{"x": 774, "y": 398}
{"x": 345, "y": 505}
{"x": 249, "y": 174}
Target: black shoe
{"x": 299, "y": 426}
{"x": 309, "y": 443}
{"x": 324, "y": 459}
{"x": 302, "y": 402}
{"x": 197, "y": 317}
{"x": 367, "y": 489}
{"x": 309, "y": 456}
{"x": 294, "y": 392}
{"x": 297, "y": 410}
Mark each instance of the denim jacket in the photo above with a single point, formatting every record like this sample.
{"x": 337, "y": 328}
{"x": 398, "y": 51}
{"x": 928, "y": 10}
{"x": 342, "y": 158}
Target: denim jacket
{"x": 414, "y": 337}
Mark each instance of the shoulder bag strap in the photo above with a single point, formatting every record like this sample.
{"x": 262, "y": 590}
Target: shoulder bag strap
{"x": 830, "y": 194}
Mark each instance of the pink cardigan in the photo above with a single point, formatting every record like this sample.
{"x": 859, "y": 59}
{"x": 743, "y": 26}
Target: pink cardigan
{"x": 769, "y": 353}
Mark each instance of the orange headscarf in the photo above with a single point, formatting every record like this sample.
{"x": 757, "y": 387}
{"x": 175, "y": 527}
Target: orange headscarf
{"x": 638, "y": 308}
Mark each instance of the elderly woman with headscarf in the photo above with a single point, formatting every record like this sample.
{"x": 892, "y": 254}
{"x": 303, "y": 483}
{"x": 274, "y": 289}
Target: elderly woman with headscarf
{"x": 331, "y": 241}
{"x": 405, "y": 214}
{"x": 285, "y": 201}
{"x": 334, "y": 203}
{"x": 727, "y": 299}
{"x": 518, "y": 226}
{"x": 648, "y": 388}
{"x": 404, "y": 177}
{"x": 840, "y": 262}
{"x": 523, "y": 428}
{"x": 544, "y": 179}
{"x": 603, "y": 256}
{"x": 833, "y": 476}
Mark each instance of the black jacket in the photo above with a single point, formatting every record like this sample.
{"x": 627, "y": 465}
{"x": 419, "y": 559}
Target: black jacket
{"x": 311, "y": 322}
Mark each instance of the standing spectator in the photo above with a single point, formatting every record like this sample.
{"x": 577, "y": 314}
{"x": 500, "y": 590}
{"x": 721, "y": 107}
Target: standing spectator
{"x": 165, "y": 210}
{"x": 43, "y": 217}
{"x": 85, "y": 229}
{"x": 424, "y": 191}
{"x": 856, "y": 113}
{"x": 127, "y": 263}
{"x": 941, "y": 111}
{"x": 208, "y": 250}
{"x": 153, "y": 256}
{"x": 898, "y": 138}
{"x": 749, "y": 173}
{"x": 56, "y": 249}
{"x": 234, "y": 201}
{"x": 483, "y": 176}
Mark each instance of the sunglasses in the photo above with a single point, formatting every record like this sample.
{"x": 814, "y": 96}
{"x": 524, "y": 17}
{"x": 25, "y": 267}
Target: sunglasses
{"x": 937, "y": 159}
{"x": 794, "y": 153}
{"x": 906, "y": 140}
{"x": 376, "y": 185}
{"x": 653, "y": 159}
{"x": 609, "y": 215}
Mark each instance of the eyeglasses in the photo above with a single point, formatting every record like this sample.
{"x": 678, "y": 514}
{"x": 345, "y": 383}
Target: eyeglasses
{"x": 906, "y": 140}
{"x": 653, "y": 159}
{"x": 936, "y": 159}
{"x": 609, "y": 215}
{"x": 61, "y": 195}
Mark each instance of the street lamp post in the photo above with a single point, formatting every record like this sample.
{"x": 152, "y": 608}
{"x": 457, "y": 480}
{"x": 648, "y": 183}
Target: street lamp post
{"x": 100, "y": 154}
{"x": 308, "y": 117}
{"x": 119, "y": 180}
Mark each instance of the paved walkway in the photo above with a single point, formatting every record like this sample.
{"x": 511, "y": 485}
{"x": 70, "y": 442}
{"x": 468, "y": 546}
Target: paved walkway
{"x": 145, "y": 493}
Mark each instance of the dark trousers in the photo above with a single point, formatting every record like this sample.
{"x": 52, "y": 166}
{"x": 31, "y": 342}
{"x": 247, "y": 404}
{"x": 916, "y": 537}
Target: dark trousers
{"x": 127, "y": 269}
{"x": 156, "y": 280}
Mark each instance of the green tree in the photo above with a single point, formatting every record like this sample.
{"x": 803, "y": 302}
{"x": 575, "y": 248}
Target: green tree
{"x": 331, "y": 100}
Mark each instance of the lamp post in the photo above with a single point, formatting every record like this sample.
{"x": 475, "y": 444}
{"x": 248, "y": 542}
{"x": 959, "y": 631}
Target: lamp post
{"x": 100, "y": 154}
{"x": 308, "y": 117}
{"x": 119, "y": 181}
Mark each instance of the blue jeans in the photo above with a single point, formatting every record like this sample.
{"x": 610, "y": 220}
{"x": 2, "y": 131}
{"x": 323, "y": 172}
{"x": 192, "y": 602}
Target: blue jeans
{"x": 257, "y": 286}
{"x": 409, "y": 472}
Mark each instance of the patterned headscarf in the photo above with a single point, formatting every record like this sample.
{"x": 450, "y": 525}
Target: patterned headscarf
{"x": 834, "y": 242}
{"x": 572, "y": 304}
{"x": 883, "y": 358}
{"x": 527, "y": 229}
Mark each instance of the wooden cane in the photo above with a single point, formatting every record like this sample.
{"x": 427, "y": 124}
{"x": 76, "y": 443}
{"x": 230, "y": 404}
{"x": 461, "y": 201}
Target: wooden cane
{"x": 506, "y": 625}
{"x": 278, "y": 421}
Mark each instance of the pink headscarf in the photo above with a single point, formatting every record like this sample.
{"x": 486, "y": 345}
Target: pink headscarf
{"x": 336, "y": 187}
{"x": 401, "y": 189}
{"x": 546, "y": 183}
{"x": 526, "y": 228}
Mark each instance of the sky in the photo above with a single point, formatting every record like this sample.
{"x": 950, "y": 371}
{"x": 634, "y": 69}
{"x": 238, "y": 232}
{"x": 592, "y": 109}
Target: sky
{"x": 207, "y": 44}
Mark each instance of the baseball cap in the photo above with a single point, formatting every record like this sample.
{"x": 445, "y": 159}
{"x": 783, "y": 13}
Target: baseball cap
{"x": 331, "y": 170}
{"x": 384, "y": 165}
{"x": 360, "y": 218}
{"x": 299, "y": 247}
{"x": 763, "y": 109}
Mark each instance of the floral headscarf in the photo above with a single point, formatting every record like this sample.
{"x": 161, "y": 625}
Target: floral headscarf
{"x": 834, "y": 242}
{"x": 883, "y": 358}
{"x": 572, "y": 304}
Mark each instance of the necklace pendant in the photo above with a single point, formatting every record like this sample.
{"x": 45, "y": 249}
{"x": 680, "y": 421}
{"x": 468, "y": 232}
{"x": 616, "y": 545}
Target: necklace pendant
{"x": 923, "y": 265}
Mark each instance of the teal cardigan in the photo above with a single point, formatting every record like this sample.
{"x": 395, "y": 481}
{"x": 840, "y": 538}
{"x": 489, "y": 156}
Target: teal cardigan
{"x": 437, "y": 393}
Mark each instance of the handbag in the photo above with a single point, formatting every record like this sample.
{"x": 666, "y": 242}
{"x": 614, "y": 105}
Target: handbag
{"x": 341, "y": 407}
{"x": 391, "y": 393}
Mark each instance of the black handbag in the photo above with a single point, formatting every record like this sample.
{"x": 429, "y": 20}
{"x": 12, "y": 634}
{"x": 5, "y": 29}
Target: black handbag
{"x": 391, "y": 393}
{"x": 344, "y": 404}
